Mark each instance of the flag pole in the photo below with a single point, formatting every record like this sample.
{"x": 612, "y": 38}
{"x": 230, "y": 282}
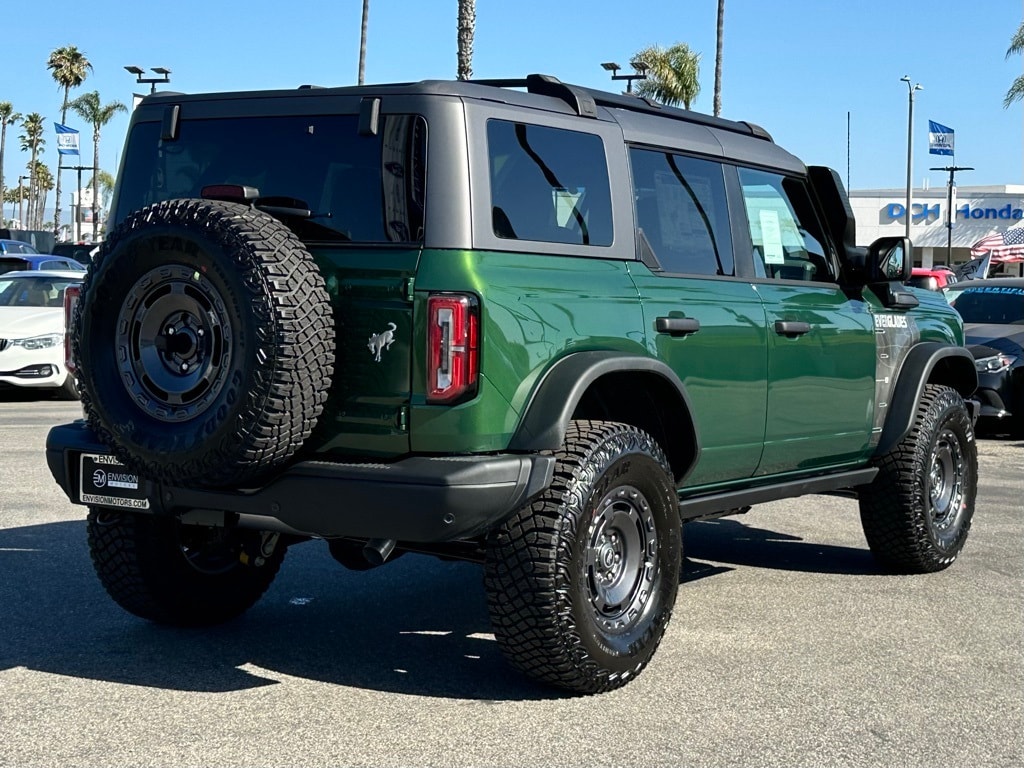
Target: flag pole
{"x": 950, "y": 213}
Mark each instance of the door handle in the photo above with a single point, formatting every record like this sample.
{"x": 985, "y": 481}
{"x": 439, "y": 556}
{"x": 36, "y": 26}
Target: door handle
{"x": 791, "y": 328}
{"x": 677, "y": 326}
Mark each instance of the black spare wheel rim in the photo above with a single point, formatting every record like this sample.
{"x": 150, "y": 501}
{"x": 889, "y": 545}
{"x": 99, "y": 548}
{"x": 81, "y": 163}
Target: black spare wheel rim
{"x": 205, "y": 342}
{"x": 174, "y": 343}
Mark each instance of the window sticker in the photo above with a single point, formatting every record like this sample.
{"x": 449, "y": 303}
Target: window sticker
{"x": 771, "y": 237}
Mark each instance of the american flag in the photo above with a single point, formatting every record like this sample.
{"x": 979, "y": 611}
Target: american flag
{"x": 1007, "y": 245}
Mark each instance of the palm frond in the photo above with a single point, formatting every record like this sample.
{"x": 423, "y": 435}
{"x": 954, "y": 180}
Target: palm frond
{"x": 1016, "y": 92}
{"x": 1016, "y": 42}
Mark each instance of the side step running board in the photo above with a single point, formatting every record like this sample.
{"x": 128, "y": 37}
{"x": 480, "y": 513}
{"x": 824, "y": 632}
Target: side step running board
{"x": 713, "y": 505}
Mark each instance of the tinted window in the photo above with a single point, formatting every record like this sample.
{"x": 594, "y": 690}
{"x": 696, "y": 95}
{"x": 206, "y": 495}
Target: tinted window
{"x": 360, "y": 188}
{"x": 12, "y": 264}
{"x": 681, "y": 210}
{"x": 787, "y": 239}
{"x": 548, "y": 184}
{"x": 993, "y": 304}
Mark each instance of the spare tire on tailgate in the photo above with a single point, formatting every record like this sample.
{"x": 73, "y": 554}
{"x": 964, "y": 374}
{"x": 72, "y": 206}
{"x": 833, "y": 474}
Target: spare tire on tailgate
{"x": 205, "y": 343}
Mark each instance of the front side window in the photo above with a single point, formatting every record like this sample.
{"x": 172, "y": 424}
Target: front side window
{"x": 366, "y": 189}
{"x": 787, "y": 240}
{"x": 682, "y": 212}
{"x": 548, "y": 184}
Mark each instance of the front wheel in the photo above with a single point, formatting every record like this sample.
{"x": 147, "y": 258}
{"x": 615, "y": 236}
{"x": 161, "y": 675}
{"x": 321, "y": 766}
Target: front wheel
{"x": 184, "y": 575}
{"x": 917, "y": 512}
{"x": 581, "y": 583}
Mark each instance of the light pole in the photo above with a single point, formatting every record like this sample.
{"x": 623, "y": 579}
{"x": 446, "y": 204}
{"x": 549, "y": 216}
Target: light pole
{"x": 78, "y": 209}
{"x": 640, "y": 72}
{"x": 950, "y": 203}
{"x": 910, "y": 142}
{"x": 165, "y": 76}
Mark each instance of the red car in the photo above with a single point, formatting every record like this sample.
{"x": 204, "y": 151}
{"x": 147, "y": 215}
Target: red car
{"x": 934, "y": 279}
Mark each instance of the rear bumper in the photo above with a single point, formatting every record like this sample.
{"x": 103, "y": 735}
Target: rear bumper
{"x": 418, "y": 499}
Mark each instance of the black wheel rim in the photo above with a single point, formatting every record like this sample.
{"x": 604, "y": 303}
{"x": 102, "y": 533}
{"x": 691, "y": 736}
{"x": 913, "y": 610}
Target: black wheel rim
{"x": 621, "y": 560}
{"x": 946, "y": 480}
{"x": 173, "y": 343}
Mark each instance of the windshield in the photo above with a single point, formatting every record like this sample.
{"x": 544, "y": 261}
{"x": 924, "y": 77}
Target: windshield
{"x": 361, "y": 188}
{"x": 29, "y": 291}
{"x": 1000, "y": 305}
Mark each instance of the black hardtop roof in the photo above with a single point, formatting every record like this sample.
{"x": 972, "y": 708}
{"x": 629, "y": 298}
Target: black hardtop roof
{"x": 542, "y": 92}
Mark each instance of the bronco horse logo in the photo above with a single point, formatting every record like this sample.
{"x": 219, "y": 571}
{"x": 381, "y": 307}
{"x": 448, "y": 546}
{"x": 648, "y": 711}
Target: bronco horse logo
{"x": 382, "y": 341}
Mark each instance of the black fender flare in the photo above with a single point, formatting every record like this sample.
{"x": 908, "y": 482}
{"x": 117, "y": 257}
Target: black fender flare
{"x": 546, "y": 417}
{"x": 955, "y": 368}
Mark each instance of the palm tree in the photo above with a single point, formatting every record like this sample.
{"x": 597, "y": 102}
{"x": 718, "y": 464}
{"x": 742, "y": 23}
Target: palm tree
{"x": 1016, "y": 92}
{"x": 69, "y": 68}
{"x": 43, "y": 184}
{"x": 362, "y": 41}
{"x": 7, "y": 116}
{"x": 89, "y": 108}
{"x": 467, "y": 29}
{"x": 31, "y": 140}
{"x": 106, "y": 181}
{"x": 672, "y": 76}
{"x": 718, "y": 59}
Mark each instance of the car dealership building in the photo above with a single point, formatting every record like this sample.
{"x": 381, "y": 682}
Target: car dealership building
{"x": 979, "y": 212}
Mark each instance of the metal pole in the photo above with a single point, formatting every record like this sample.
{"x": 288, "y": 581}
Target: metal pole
{"x": 950, "y": 213}
{"x": 949, "y": 225}
{"x": 78, "y": 211}
{"x": 910, "y": 144}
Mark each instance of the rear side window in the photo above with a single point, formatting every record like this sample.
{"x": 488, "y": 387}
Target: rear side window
{"x": 365, "y": 189}
{"x": 548, "y": 184}
{"x": 787, "y": 239}
{"x": 12, "y": 265}
{"x": 682, "y": 212}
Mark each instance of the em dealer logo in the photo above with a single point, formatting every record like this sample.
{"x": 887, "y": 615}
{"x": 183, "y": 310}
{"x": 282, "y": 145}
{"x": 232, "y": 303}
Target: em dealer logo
{"x": 101, "y": 479}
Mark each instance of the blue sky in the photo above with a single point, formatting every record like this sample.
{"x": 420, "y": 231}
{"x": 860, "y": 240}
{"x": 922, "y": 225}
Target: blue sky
{"x": 795, "y": 67}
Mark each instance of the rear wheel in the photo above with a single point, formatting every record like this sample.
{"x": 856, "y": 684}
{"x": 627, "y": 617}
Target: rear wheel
{"x": 169, "y": 573}
{"x": 581, "y": 584}
{"x": 917, "y": 512}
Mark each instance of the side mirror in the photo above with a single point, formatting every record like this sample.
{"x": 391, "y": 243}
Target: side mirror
{"x": 890, "y": 259}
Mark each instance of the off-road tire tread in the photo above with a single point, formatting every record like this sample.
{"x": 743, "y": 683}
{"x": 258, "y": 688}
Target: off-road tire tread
{"x": 892, "y": 507}
{"x": 287, "y": 392}
{"x": 528, "y": 558}
{"x": 140, "y": 566}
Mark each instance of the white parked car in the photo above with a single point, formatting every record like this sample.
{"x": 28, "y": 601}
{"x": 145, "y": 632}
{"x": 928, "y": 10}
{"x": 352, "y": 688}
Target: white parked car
{"x": 32, "y": 331}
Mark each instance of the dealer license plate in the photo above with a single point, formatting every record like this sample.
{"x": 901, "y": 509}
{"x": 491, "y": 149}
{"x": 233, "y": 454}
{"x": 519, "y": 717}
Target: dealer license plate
{"x": 107, "y": 482}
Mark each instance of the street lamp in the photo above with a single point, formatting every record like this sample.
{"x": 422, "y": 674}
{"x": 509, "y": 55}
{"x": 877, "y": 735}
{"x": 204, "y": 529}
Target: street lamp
{"x": 640, "y": 72}
{"x": 165, "y": 76}
{"x": 910, "y": 142}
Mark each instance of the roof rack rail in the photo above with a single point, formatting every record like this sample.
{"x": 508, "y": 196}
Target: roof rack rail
{"x": 640, "y": 104}
{"x": 586, "y": 100}
{"x": 580, "y": 99}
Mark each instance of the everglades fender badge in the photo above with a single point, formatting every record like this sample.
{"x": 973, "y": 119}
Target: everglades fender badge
{"x": 379, "y": 342}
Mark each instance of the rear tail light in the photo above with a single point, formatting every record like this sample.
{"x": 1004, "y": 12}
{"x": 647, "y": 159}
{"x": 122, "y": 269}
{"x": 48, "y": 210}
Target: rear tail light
{"x": 71, "y": 296}
{"x": 453, "y": 349}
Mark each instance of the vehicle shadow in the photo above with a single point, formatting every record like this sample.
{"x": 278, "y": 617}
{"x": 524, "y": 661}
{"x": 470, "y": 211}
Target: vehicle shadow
{"x": 712, "y": 546}
{"x": 416, "y": 626}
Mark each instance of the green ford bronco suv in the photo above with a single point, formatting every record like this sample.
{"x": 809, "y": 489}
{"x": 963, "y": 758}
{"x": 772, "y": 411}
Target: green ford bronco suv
{"x": 520, "y": 323}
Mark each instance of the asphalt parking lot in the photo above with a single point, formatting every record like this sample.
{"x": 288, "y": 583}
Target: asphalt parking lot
{"x": 788, "y": 648}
